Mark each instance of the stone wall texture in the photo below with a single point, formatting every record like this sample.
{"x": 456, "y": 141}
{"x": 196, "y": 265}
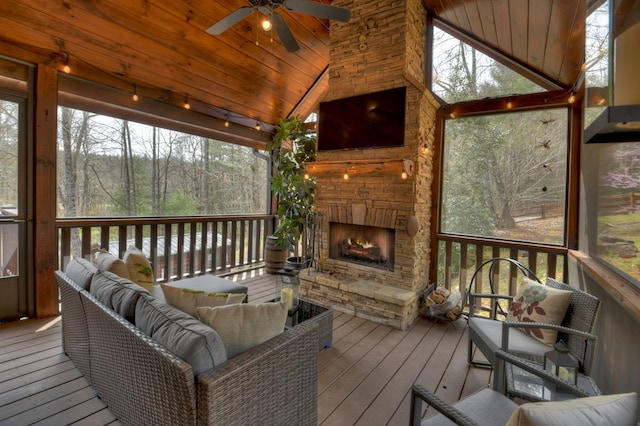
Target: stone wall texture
{"x": 383, "y": 47}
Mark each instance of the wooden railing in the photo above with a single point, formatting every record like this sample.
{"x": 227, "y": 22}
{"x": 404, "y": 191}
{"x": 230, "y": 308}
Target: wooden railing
{"x": 177, "y": 247}
{"x": 457, "y": 258}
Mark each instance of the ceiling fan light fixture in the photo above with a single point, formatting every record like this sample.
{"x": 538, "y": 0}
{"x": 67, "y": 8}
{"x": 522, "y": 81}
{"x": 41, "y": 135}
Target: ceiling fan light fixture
{"x": 275, "y": 20}
{"x": 266, "y": 24}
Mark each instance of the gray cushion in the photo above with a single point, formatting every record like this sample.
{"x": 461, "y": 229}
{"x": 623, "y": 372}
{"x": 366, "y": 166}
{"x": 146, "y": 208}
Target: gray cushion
{"x": 486, "y": 407}
{"x": 183, "y": 335}
{"x": 81, "y": 272}
{"x": 211, "y": 284}
{"x": 519, "y": 342}
{"x": 116, "y": 293}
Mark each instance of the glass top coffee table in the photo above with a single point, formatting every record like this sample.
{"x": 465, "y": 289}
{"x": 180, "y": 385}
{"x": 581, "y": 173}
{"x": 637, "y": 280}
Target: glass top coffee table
{"x": 311, "y": 311}
{"x": 528, "y": 386}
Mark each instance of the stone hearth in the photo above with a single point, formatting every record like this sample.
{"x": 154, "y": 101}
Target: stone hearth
{"x": 384, "y": 304}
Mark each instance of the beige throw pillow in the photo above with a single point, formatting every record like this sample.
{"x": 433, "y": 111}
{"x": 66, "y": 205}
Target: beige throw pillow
{"x": 535, "y": 302}
{"x": 244, "y": 326}
{"x": 139, "y": 268}
{"x": 188, "y": 299}
{"x": 105, "y": 261}
{"x": 616, "y": 410}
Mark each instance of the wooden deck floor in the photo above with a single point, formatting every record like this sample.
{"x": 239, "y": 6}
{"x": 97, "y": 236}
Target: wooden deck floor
{"x": 363, "y": 379}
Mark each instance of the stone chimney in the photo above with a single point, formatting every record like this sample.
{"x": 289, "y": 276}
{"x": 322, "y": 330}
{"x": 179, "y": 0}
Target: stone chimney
{"x": 383, "y": 47}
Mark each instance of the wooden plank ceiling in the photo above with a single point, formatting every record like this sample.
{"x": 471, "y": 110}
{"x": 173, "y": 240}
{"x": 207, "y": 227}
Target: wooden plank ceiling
{"x": 162, "y": 48}
{"x": 544, "y": 36}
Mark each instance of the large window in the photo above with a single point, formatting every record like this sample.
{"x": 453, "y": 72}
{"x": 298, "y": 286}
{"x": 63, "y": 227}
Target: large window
{"x": 504, "y": 176}
{"x": 462, "y": 73}
{"x": 618, "y": 207}
{"x": 113, "y": 167}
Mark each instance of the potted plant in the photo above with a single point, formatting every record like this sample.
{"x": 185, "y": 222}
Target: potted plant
{"x": 292, "y": 146}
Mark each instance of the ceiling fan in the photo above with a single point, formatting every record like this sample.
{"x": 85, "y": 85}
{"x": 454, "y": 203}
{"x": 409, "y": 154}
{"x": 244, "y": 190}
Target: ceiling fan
{"x": 272, "y": 18}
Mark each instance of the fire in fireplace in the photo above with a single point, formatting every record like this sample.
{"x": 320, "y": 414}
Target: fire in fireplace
{"x": 364, "y": 245}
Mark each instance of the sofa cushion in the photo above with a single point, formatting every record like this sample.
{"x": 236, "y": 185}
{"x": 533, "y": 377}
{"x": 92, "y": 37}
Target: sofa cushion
{"x": 105, "y": 261}
{"x": 117, "y": 293}
{"x": 619, "y": 409}
{"x": 81, "y": 272}
{"x": 183, "y": 335}
{"x": 139, "y": 268}
{"x": 211, "y": 283}
{"x": 244, "y": 326}
{"x": 535, "y": 302}
{"x": 187, "y": 299}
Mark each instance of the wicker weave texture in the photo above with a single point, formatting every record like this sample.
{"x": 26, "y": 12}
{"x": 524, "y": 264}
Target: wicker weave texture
{"x": 140, "y": 381}
{"x": 582, "y": 315}
{"x": 75, "y": 335}
{"x": 275, "y": 383}
{"x": 309, "y": 311}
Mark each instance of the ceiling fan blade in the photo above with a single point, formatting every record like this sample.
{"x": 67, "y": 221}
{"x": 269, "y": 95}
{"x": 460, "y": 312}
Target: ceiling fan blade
{"x": 320, "y": 10}
{"x": 230, "y": 20}
{"x": 284, "y": 33}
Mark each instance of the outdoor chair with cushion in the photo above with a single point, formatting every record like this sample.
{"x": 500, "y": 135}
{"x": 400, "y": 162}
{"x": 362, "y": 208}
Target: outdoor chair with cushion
{"x": 538, "y": 316}
{"x": 491, "y": 407}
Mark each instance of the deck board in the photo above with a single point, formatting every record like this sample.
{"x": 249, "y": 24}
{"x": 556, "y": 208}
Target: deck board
{"x": 364, "y": 378}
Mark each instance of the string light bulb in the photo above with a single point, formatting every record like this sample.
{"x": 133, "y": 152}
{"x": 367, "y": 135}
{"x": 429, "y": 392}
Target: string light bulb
{"x": 509, "y": 104}
{"x": 135, "y": 96}
{"x": 572, "y": 98}
{"x": 62, "y": 57}
{"x": 226, "y": 122}
{"x": 306, "y": 176}
{"x": 403, "y": 175}
{"x": 345, "y": 176}
{"x": 187, "y": 105}
{"x": 257, "y": 126}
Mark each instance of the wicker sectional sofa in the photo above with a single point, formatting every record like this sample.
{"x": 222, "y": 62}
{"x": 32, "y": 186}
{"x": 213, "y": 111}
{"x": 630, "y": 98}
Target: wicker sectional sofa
{"x": 142, "y": 382}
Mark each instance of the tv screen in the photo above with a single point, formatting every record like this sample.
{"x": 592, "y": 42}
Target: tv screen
{"x": 374, "y": 120}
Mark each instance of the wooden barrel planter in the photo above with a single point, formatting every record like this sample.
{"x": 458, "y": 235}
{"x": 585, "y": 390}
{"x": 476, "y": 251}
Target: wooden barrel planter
{"x": 274, "y": 256}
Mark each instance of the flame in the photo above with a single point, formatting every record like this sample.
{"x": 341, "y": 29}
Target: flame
{"x": 363, "y": 244}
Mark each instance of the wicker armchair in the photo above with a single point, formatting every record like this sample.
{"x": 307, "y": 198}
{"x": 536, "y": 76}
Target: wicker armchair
{"x": 485, "y": 407}
{"x": 490, "y": 335}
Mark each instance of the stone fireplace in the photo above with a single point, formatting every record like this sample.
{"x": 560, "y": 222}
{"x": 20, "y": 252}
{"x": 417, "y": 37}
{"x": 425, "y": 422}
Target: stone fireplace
{"x": 374, "y": 205}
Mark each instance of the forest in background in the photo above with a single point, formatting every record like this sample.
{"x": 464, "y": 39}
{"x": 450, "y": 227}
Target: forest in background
{"x": 109, "y": 167}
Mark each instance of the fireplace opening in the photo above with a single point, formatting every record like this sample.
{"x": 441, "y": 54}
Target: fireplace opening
{"x": 364, "y": 245}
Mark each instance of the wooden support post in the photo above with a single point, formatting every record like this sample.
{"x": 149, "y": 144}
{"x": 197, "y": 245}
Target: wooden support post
{"x": 44, "y": 190}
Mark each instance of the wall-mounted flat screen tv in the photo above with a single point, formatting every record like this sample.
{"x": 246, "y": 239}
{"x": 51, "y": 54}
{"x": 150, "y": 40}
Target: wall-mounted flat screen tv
{"x": 374, "y": 120}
